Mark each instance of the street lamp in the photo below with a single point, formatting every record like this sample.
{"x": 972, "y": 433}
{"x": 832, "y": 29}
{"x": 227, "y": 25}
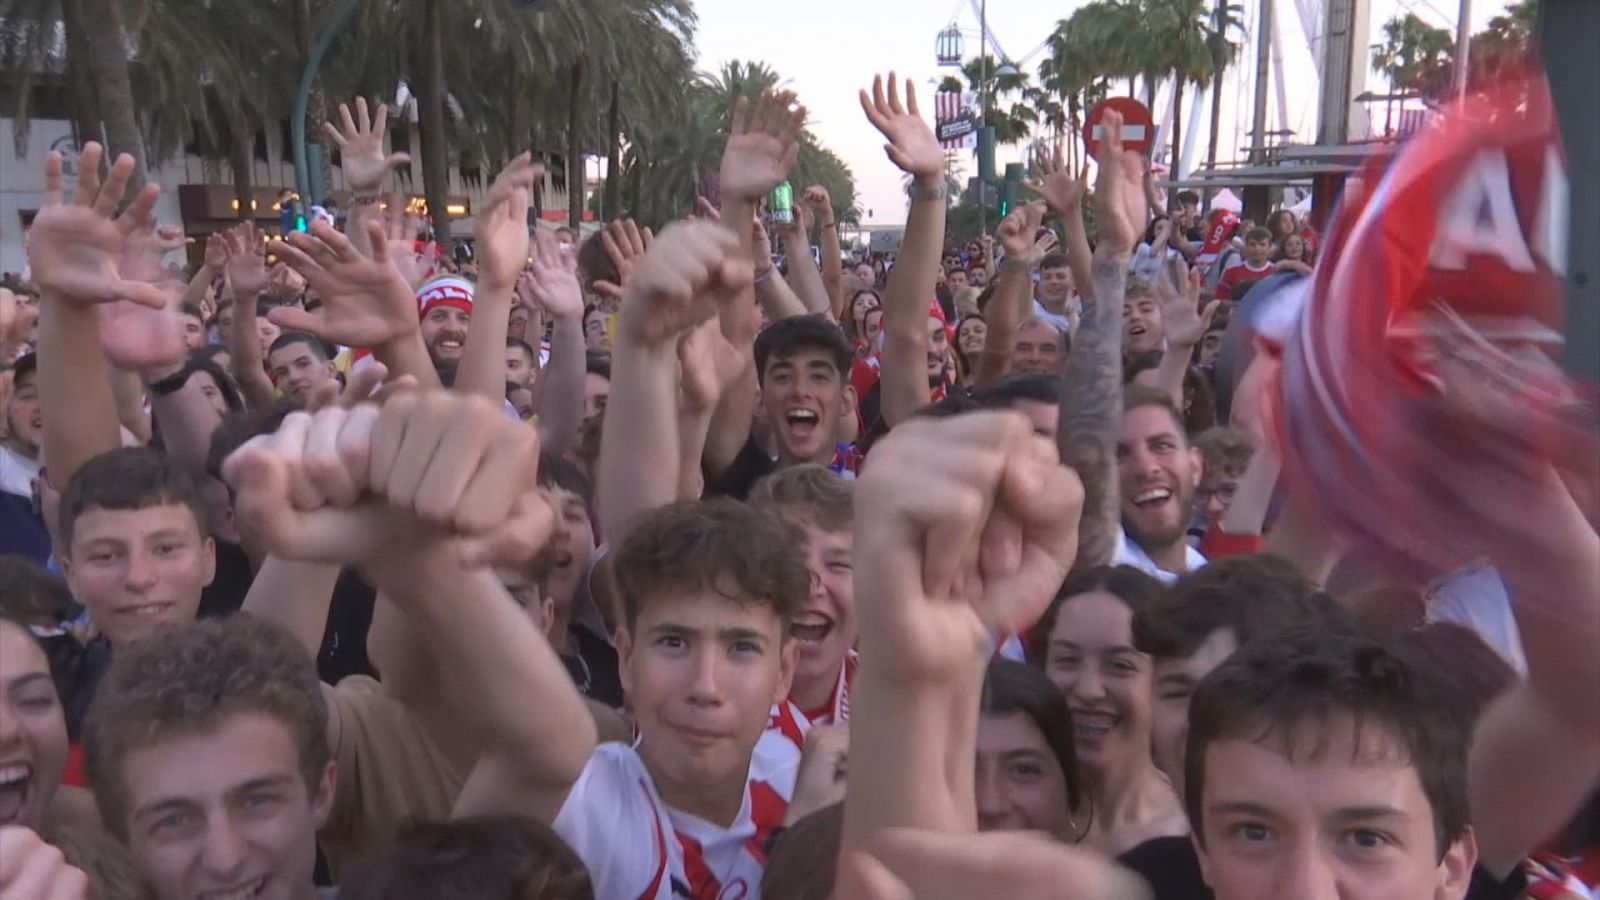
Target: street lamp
{"x": 983, "y": 110}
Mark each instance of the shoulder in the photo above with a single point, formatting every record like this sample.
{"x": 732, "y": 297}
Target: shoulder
{"x": 1171, "y": 868}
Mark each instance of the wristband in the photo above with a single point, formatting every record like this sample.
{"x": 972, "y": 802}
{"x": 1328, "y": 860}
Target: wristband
{"x": 766, "y": 276}
{"x": 826, "y": 225}
{"x": 917, "y": 192}
{"x": 172, "y": 383}
{"x": 1018, "y": 265}
{"x": 358, "y": 200}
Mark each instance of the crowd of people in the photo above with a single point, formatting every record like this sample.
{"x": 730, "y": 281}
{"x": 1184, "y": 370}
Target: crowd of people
{"x": 699, "y": 565}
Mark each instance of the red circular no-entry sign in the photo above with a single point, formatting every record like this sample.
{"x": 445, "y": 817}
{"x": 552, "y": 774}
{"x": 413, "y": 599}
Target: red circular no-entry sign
{"x": 1138, "y": 126}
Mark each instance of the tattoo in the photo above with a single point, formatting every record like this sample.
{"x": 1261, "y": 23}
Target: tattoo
{"x": 1091, "y": 410}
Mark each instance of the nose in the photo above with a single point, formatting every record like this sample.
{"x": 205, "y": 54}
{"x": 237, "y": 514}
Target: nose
{"x": 705, "y": 688}
{"x": 1089, "y": 685}
{"x": 141, "y": 571}
{"x": 992, "y": 806}
{"x": 10, "y": 728}
{"x": 1310, "y": 876}
{"x": 224, "y": 849}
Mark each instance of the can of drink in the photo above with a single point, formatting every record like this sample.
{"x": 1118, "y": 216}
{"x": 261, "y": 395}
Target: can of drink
{"x": 781, "y": 203}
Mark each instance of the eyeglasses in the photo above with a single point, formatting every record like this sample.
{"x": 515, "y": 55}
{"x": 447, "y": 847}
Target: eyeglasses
{"x": 1224, "y": 493}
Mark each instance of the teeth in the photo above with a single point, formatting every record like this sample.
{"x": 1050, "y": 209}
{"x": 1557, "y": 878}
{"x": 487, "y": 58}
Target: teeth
{"x": 803, "y": 415}
{"x": 14, "y": 774}
{"x": 244, "y": 893}
{"x": 1152, "y": 495}
{"x": 152, "y": 609}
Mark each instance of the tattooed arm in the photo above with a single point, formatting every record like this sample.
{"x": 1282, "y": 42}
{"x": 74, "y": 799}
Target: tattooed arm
{"x": 1091, "y": 409}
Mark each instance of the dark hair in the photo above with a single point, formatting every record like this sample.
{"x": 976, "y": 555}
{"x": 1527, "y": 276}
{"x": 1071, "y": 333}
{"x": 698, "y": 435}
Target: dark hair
{"x": 804, "y": 858}
{"x": 1137, "y": 590}
{"x": 301, "y": 337}
{"x": 192, "y": 310}
{"x": 201, "y": 361}
{"x": 1005, "y": 393}
{"x": 1226, "y": 450}
{"x": 522, "y": 345}
{"x": 718, "y": 545}
{"x": 24, "y": 368}
{"x": 1277, "y": 216}
{"x": 1255, "y": 596}
{"x": 965, "y": 367}
{"x": 1189, "y": 198}
{"x": 31, "y": 593}
{"x": 786, "y": 337}
{"x": 208, "y": 352}
{"x": 597, "y": 364}
{"x": 1054, "y": 261}
{"x": 1013, "y": 687}
{"x": 491, "y": 857}
{"x": 811, "y": 490}
{"x": 1476, "y": 673}
{"x": 1268, "y": 689}
{"x": 560, "y": 472}
{"x": 1202, "y": 412}
{"x": 594, "y": 263}
{"x": 240, "y": 426}
{"x": 1258, "y": 234}
{"x": 190, "y": 678}
{"x": 984, "y": 296}
{"x": 1137, "y": 395}
{"x": 123, "y": 479}
{"x": 1150, "y": 229}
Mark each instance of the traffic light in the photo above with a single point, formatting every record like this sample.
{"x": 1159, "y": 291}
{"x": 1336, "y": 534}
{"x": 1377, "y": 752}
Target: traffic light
{"x": 986, "y": 154}
{"x": 1008, "y": 193}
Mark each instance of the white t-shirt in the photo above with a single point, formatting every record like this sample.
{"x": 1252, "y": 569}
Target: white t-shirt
{"x": 1130, "y": 554}
{"x": 17, "y": 472}
{"x": 1475, "y": 596}
{"x": 634, "y": 845}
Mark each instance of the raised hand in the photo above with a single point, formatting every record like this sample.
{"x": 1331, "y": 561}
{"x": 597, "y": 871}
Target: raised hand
{"x": 216, "y": 253}
{"x": 912, "y": 145}
{"x": 1183, "y": 321}
{"x": 625, "y": 243}
{"x": 1017, "y": 230}
{"x": 31, "y": 869}
{"x": 817, "y": 200}
{"x": 76, "y": 248}
{"x": 284, "y": 283}
{"x": 708, "y": 364}
{"x": 245, "y": 266}
{"x": 501, "y": 234}
{"x": 690, "y": 272}
{"x": 383, "y": 487}
{"x": 361, "y": 145}
{"x": 983, "y": 554}
{"x": 553, "y": 282}
{"x": 401, "y": 230}
{"x": 1054, "y": 182}
{"x": 365, "y": 302}
{"x": 1118, "y": 191}
{"x": 763, "y": 144}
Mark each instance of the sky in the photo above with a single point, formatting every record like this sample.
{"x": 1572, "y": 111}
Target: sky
{"x": 827, "y": 50}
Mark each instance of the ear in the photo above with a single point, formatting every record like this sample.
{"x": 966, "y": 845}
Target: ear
{"x": 624, "y": 640}
{"x": 1197, "y": 461}
{"x": 848, "y": 398}
{"x": 208, "y": 547}
{"x": 788, "y": 659}
{"x": 322, "y": 794}
{"x": 1455, "y": 870}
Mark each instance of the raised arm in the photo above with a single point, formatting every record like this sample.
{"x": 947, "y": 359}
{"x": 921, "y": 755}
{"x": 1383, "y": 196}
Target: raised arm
{"x": 773, "y": 292}
{"x": 925, "y": 636}
{"x": 1184, "y": 324}
{"x": 554, "y": 288}
{"x": 245, "y": 269}
{"x": 75, "y": 248}
{"x": 821, "y": 205}
{"x": 1091, "y": 386}
{"x": 365, "y": 302}
{"x": 421, "y": 495}
{"x": 1054, "y": 182}
{"x": 911, "y": 146}
{"x": 210, "y": 268}
{"x": 361, "y": 140}
{"x": 804, "y": 278}
{"x": 1013, "y": 290}
{"x": 501, "y": 243}
{"x": 692, "y": 270}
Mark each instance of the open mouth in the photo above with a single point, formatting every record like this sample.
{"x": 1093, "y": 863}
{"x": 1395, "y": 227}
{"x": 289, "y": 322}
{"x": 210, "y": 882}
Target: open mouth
{"x": 564, "y": 558}
{"x": 1151, "y": 498}
{"x": 16, "y": 782}
{"x": 810, "y": 627}
{"x": 243, "y": 892}
{"x": 450, "y": 346}
{"x": 1092, "y": 727}
{"x": 145, "y": 611}
{"x": 802, "y": 422}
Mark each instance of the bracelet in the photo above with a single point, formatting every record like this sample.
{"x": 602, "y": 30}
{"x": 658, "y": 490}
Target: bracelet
{"x": 827, "y": 225}
{"x": 358, "y": 200}
{"x": 1016, "y": 264}
{"x": 766, "y": 276}
{"x": 172, "y": 383}
{"x": 917, "y": 192}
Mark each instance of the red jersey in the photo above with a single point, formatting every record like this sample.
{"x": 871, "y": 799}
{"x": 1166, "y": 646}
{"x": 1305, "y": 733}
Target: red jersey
{"x": 1241, "y": 274}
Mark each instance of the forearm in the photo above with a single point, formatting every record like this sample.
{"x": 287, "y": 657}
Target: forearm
{"x": 75, "y": 386}
{"x": 483, "y": 358}
{"x": 355, "y": 225}
{"x": 244, "y": 345}
{"x": 127, "y": 392}
{"x": 905, "y": 307}
{"x": 195, "y": 290}
{"x": 777, "y": 299}
{"x": 1012, "y": 296}
{"x": 293, "y": 596}
{"x": 901, "y": 749}
{"x": 832, "y": 268}
{"x": 560, "y": 401}
{"x": 492, "y": 660}
{"x": 804, "y": 278}
{"x": 729, "y": 428}
{"x": 1168, "y": 374}
{"x": 638, "y": 468}
{"x": 1091, "y": 410}
{"x": 693, "y": 429}
{"x": 1079, "y": 258}
{"x": 409, "y": 356}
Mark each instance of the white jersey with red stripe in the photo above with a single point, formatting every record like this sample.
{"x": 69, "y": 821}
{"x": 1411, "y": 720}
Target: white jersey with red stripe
{"x": 635, "y": 846}
{"x": 789, "y": 720}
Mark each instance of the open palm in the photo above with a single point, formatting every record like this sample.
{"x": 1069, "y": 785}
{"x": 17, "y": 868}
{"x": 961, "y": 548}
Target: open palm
{"x": 361, "y": 147}
{"x": 763, "y": 144}
{"x": 554, "y": 282}
{"x": 912, "y": 145}
{"x": 365, "y": 302}
{"x": 136, "y": 337}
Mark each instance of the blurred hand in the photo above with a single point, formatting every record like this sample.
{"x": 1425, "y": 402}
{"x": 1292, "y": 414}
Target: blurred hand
{"x": 691, "y": 272}
{"x": 625, "y": 243}
{"x": 501, "y": 233}
{"x": 763, "y": 144}
{"x": 365, "y": 302}
{"x": 361, "y": 143}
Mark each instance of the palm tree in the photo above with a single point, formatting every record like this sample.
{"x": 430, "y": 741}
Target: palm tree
{"x": 1227, "y": 20}
{"x": 1415, "y": 55}
{"x": 1011, "y": 125}
{"x": 1076, "y": 70}
{"x": 1176, "y": 32}
{"x": 105, "y": 40}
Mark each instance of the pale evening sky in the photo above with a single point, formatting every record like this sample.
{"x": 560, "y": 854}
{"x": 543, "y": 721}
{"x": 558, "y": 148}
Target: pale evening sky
{"x": 826, "y": 50}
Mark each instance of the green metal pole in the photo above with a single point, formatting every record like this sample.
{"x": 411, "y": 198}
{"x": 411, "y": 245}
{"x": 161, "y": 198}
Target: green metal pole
{"x": 302, "y": 170}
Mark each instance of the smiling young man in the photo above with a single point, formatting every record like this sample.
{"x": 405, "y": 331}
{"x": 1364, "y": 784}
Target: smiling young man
{"x": 709, "y": 592}
{"x": 299, "y": 365}
{"x": 812, "y": 499}
{"x": 1142, "y": 330}
{"x": 445, "y": 307}
{"x": 803, "y": 367}
{"x": 1158, "y": 473}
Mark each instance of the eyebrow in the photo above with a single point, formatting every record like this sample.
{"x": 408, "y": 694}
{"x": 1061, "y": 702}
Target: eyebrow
{"x": 255, "y": 784}
{"x": 735, "y": 633}
{"x": 26, "y": 679}
{"x": 1368, "y": 813}
{"x": 1239, "y": 807}
{"x": 1116, "y": 648}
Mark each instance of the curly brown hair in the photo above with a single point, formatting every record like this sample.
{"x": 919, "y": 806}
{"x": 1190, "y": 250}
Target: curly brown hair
{"x": 720, "y": 545}
{"x": 191, "y": 678}
{"x": 810, "y": 491}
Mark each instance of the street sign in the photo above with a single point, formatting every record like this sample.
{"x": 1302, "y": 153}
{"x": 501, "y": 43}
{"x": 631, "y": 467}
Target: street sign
{"x": 1138, "y": 126}
{"x": 955, "y": 120}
